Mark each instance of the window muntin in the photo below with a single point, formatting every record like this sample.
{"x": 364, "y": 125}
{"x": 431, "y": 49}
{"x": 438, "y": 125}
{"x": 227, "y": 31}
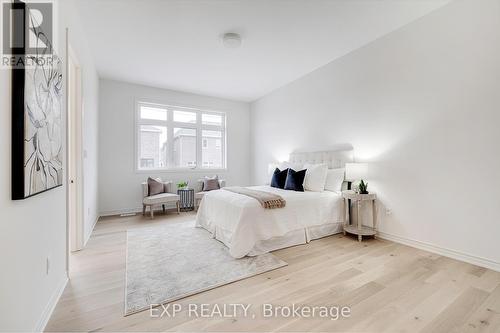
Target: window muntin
{"x": 186, "y": 138}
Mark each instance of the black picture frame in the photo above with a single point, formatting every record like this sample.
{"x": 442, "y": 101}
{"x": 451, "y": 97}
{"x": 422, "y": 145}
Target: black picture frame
{"x": 18, "y": 82}
{"x": 20, "y": 107}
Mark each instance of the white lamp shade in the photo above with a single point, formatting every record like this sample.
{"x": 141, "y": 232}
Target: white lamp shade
{"x": 356, "y": 171}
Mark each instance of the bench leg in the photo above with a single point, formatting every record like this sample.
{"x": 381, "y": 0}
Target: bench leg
{"x": 143, "y": 210}
{"x": 151, "y": 212}
{"x": 163, "y": 206}
{"x": 178, "y": 207}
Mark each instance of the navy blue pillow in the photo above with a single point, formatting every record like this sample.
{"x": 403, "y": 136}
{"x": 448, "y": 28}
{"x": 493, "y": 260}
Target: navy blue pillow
{"x": 295, "y": 180}
{"x": 279, "y": 178}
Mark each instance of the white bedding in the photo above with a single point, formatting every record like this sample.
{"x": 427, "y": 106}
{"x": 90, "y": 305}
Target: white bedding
{"x": 242, "y": 224}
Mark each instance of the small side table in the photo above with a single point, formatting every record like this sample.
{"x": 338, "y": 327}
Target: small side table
{"x": 359, "y": 229}
{"x": 186, "y": 199}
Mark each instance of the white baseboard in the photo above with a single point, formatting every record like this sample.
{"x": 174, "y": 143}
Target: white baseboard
{"x": 479, "y": 261}
{"x": 51, "y": 305}
{"x": 121, "y": 211}
{"x": 137, "y": 210}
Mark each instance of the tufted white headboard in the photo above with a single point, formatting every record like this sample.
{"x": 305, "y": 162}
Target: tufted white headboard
{"x": 334, "y": 159}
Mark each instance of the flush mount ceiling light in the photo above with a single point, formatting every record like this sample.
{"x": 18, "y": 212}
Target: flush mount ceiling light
{"x": 231, "y": 40}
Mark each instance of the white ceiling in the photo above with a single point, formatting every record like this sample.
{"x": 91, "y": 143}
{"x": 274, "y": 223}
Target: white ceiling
{"x": 176, "y": 44}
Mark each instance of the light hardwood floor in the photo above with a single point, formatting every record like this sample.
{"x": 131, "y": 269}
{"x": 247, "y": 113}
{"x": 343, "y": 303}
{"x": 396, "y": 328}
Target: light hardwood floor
{"x": 389, "y": 287}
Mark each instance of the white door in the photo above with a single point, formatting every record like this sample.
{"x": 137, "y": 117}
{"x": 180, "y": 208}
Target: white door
{"x": 75, "y": 160}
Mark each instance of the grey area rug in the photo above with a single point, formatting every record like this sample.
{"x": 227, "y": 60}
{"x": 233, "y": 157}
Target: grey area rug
{"x": 174, "y": 261}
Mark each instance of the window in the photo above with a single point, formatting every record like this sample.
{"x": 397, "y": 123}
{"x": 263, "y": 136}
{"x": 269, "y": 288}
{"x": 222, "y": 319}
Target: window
{"x": 147, "y": 163}
{"x": 212, "y": 156}
{"x": 185, "y": 117}
{"x": 184, "y": 147}
{"x": 211, "y": 119}
{"x": 153, "y": 113}
{"x": 152, "y": 149}
{"x": 173, "y": 137}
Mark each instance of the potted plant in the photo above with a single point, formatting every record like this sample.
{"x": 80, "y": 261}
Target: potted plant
{"x": 363, "y": 187}
{"x": 182, "y": 185}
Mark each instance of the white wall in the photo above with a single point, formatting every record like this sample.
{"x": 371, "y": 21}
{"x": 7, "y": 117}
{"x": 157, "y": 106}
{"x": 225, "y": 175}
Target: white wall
{"x": 34, "y": 229}
{"x": 422, "y": 105}
{"x": 119, "y": 183}
{"x": 90, "y": 92}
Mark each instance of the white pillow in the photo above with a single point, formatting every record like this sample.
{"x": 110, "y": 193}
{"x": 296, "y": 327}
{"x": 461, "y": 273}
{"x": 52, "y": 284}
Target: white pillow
{"x": 334, "y": 180}
{"x": 315, "y": 177}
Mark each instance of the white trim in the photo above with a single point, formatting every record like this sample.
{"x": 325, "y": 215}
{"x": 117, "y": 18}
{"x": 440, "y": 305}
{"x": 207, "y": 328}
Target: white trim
{"x": 137, "y": 210}
{"x": 120, "y": 211}
{"x": 51, "y": 305}
{"x": 66, "y": 123}
{"x": 180, "y": 170}
{"x": 76, "y": 236}
{"x": 167, "y": 103}
{"x": 471, "y": 259}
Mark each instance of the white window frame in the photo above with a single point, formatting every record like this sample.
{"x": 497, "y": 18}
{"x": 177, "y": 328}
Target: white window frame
{"x": 171, "y": 124}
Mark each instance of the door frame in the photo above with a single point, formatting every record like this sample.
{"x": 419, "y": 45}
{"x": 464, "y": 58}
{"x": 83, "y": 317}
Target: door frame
{"x": 74, "y": 132}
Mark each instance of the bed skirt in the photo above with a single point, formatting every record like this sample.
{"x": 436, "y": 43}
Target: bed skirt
{"x": 292, "y": 238}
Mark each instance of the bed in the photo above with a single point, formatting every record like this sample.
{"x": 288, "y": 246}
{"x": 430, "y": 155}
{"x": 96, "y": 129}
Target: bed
{"x": 247, "y": 229}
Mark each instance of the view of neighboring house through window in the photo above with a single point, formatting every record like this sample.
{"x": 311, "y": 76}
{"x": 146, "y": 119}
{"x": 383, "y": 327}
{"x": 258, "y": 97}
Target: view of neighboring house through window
{"x": 212, "y": 153}
{"x": 172, "y": 137}
{"x": 153, "y": 138}
{"x": 147, "y": 163}
{"x": 184, "y": 147}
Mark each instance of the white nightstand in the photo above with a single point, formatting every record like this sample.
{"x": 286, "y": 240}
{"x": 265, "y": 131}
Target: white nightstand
{"x": 359, "y": 229}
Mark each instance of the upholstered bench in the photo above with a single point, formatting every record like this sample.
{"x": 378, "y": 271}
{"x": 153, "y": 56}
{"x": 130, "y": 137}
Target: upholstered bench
{"x": 158, "y": 199}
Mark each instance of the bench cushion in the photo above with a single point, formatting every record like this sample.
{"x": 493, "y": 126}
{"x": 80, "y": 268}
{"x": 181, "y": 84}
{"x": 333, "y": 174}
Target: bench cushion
{"x": 161, "y": 198}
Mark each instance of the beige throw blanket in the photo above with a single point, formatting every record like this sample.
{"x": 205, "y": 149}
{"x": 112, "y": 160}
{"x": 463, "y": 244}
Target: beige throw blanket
{"x": 267, "y": 200}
